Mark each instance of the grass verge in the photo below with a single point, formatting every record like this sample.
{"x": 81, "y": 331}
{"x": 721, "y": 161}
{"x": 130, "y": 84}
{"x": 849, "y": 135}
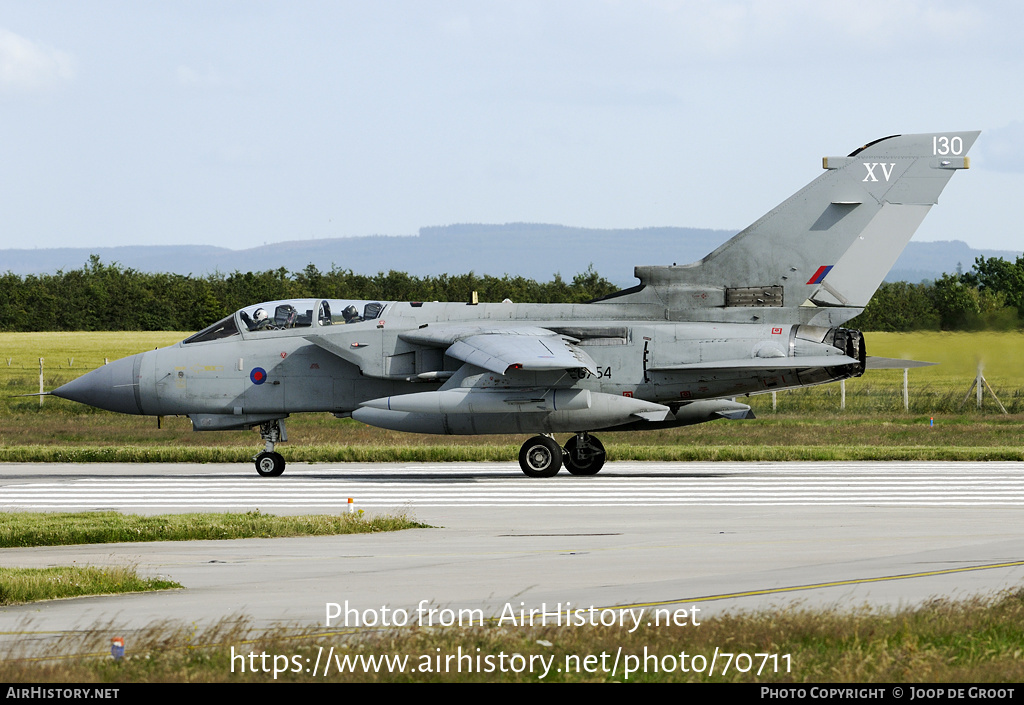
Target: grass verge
{"x": 974, "y": 641}
{"x": 508, "y": 453}
{"x": 60, "y": 529}
{"x": 19, "y": 585}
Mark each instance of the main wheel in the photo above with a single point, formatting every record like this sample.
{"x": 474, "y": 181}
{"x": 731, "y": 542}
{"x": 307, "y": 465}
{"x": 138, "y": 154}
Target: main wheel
{"x": 269, "y": 464}
{"x": 540, "y": 457}
{"x": 586, "y": 458}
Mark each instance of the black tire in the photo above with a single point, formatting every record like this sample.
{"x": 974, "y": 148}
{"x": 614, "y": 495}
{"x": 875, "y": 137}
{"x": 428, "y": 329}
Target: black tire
{"x": 540, "y": 457}
{"x": 269, "y": 464}
{"x": 587, "y": 460}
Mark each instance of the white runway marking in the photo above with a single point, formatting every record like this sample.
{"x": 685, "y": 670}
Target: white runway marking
{"x": 494, "y": 484}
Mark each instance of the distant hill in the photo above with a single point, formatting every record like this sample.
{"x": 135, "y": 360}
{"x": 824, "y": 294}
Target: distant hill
{"x": 929, "y": 260}
{"x": 533, "y": 250}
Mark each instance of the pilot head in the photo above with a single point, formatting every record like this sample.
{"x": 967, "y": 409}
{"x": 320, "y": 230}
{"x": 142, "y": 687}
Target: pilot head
{"x": 260, "y": 315}
{"x": 350, "y": 313}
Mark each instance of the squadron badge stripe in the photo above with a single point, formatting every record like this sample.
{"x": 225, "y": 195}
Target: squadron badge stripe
{"x": 820, "y": 274}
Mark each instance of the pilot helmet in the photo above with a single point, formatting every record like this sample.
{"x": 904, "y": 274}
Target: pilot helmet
{"x": 350, "y": 312}
{"x": 260, "y": 315}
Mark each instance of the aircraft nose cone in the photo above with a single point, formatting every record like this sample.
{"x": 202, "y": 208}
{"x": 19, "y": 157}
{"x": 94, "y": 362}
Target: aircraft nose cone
{"x": 112, "y": 387}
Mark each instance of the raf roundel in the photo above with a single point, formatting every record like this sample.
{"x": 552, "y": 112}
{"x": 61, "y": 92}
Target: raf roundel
{"x": 258, "y": 375}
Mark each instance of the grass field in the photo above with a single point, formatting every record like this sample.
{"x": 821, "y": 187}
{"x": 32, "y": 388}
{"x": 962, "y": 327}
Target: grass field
{"x": 808, "y": 423}
{"x": 970, "y": 642}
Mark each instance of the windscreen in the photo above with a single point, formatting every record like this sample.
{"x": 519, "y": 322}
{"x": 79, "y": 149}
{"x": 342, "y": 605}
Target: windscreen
{"x": 224, "y": 328}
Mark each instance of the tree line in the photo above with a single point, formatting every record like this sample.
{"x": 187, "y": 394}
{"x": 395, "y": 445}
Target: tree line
{"x": 109, "y": 297}
{"x": 989, "y": 297}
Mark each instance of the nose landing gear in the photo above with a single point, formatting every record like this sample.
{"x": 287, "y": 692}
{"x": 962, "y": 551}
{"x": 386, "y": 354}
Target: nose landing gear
{"x": 269, "y": 463}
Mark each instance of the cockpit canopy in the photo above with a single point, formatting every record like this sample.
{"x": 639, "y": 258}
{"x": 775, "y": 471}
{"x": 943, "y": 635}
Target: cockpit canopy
{"x": 291, "y": 313}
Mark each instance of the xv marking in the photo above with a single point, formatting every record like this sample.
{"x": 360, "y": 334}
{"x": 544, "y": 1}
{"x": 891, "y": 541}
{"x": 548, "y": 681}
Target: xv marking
{"x": 886, "y": 170}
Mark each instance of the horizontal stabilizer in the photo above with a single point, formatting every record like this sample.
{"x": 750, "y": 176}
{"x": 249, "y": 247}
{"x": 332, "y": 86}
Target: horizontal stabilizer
{"x": 892, "y": 363}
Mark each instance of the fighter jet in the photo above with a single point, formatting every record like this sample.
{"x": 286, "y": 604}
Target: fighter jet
{"x": 762, "y": 312}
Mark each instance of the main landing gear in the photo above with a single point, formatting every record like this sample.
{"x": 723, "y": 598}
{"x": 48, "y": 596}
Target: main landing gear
{"x": 541, "y": 456}
{"x": 269, "y": 463}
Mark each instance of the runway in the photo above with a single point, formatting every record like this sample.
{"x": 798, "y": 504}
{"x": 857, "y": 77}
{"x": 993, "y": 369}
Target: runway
{"x": 718, "y": 536}
{"x": 176, "y": 488}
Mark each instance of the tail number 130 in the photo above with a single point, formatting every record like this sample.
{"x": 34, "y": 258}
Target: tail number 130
{"x": 944, "y": 146}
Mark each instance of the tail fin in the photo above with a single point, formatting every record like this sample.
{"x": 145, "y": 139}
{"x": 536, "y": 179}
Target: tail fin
{"x": 827, "y": 246}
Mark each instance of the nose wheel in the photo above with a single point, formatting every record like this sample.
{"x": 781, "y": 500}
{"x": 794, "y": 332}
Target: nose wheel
{"x": 270, "y": 463}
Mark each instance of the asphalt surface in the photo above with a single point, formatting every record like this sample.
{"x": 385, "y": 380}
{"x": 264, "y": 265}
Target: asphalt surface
{"x": 715, "y": 536}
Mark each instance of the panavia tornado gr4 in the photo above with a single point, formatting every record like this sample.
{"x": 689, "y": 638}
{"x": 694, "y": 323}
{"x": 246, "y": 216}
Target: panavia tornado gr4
{"x": 762, "y": 312}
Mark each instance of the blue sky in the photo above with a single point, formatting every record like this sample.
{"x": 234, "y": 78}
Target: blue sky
{"x": 239, "y": 123}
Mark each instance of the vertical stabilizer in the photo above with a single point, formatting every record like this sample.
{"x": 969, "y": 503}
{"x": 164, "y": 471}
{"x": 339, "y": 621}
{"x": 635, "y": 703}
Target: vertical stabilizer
{"x": 831, "y": 243}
